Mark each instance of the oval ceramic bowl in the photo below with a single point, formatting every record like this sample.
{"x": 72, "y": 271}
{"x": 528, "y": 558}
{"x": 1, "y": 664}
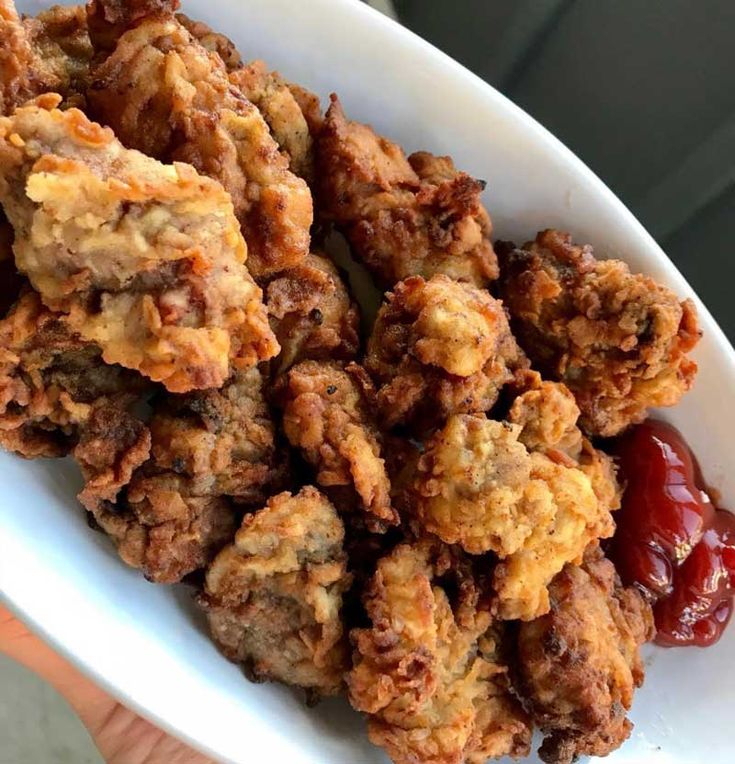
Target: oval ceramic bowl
{"x": 147, "y": 644}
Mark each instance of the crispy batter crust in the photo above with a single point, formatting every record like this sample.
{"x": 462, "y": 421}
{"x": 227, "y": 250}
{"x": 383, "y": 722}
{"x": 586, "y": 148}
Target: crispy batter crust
{"x": 617, "y": 340}
{"x": 273, "y": 597}
{"x": 166, "y": 95}
{"x": 282, "y": 111}
{"x": 51, "y": 381}
{"x": 223, "y": 440}
{"x": 428, "y": 670}
{"x": 156, "y": 517}
{"x": 146, "y": 259}
{"x": 327, "y": 415}
{"x": 312, "y": 314}
{"x": 580, "y": 663}
{"x": 49, "y": 53}
{"x": 439, "y": 347}
{"x": 402, "y": 217}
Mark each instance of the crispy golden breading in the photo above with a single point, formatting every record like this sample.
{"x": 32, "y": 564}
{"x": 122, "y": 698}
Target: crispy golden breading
{"x": 473, "y": 487}
{"x": 280, "y": 109}
{"x": 51, "y": 381}
{"x": 213, "y": 41}
{"x": 428, "y": 671}
{"x": 403, "y": 217}
{"x": 579, "y": 517}
{"x": 223, "y": 440}
{"x": 109, "y": 19}
{"x": 580, "y": 663}
{"x": 51, "y": 52}
{"x": 147, "y": 259}
{"x": 166, "y": 95}
{"x": 161, "y": 522}
{"x": 273, "y": 597}
{"x": 439, "y": 347}
{"x": 478, "y": 486}
{"x": 548, "y": 416}
{"x": 312, "y": 314}
{"x": 617, "y": 340}
{"x": 327, "y": 414}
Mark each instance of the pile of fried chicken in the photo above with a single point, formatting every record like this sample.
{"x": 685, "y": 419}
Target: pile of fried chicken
{"x": 411, "y": 513}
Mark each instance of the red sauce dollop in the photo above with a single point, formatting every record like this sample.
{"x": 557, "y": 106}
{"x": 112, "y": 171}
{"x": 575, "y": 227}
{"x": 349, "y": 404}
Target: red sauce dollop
{"x": 670, "y": 539}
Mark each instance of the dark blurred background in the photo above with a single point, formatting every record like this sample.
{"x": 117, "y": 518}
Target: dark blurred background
{"x": 642, "y": 90}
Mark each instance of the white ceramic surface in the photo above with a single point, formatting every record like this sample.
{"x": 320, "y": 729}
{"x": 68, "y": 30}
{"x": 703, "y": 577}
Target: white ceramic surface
{"x": 146, "y": 644}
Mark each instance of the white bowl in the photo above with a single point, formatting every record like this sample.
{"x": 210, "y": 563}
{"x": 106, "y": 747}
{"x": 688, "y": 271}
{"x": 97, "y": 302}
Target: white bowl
{"x": 146, "y": 643}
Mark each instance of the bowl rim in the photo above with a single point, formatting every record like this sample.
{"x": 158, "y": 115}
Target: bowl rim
{"x": 361, "y": 15}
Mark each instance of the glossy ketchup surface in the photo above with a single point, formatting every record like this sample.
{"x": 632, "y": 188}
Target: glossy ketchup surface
{"x": 670, "y": 539}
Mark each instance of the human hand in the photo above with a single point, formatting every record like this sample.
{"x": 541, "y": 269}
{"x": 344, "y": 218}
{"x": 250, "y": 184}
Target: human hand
{"x": 121, "y": 735}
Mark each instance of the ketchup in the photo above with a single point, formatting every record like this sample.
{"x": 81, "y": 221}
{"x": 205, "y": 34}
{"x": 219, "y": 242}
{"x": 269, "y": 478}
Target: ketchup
{"x": 670, "y": 539}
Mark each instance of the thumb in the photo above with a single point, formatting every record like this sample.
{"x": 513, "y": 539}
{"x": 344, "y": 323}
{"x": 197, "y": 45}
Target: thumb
{"x": 122, "y": 736}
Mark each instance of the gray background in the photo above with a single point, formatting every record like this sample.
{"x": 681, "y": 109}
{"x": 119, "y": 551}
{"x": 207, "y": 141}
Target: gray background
{"x": 642, "y": 90}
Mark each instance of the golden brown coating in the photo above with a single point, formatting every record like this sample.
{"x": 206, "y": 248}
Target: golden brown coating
{"x": 223, "y": 440}
{"x": 473, "y": 487}
{"x": 439, "y": 347}
{"x": 51, "y": 381}
{"x": 213, "y": 41}
{"x": 403, "y": 217}
{"x": 109, "y": 19}
{"x": 51, "y": 52}
{"x": 617, "y": 340}
{"x": 280, "y": 109}
{"x": 273, "y": 597}
{"x": 580, "y": 663}
{"x": 312, "y": 314}
{"x": 548, "y": 415}
{"x": 327, "y": 414}
{"x": 578, "y": 518}
{"x": 161, "y": 522}
{"x": 163, "y": 93}
{"x": 146, "y": 259}
{"x": 428, "y": 671}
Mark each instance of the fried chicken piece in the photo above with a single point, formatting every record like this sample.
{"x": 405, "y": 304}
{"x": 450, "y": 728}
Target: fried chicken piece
{"x": 51, "y": 381}
{"x": 478, "y": 486}
{"x": 579, "y": 518}
{"x": 473, "y": 487}
{"x": 213, "y": 41}
{"x": 312, "y": 314}
{"x": 327, "y": 415}
{"x": 223, "y": 440}
{"x": 428, "y": 671}
{"x": 169, "y": 513}
{"x": 273, "y": 597}
{"x": 402, "y": 217}
{"x": 282, "y": 111}
{"x": 439, "y": 347}
{"x": 548, "y": 415}
{"x": 618, "y": 340}
{"x": 580, "y": 663}
{"x": 163, "y": 93}
{"x": 10, "y": 280}
{"x": 156, "y": 518}
{"x": 146, "y": 259}
{"x": 51, "y": 52}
